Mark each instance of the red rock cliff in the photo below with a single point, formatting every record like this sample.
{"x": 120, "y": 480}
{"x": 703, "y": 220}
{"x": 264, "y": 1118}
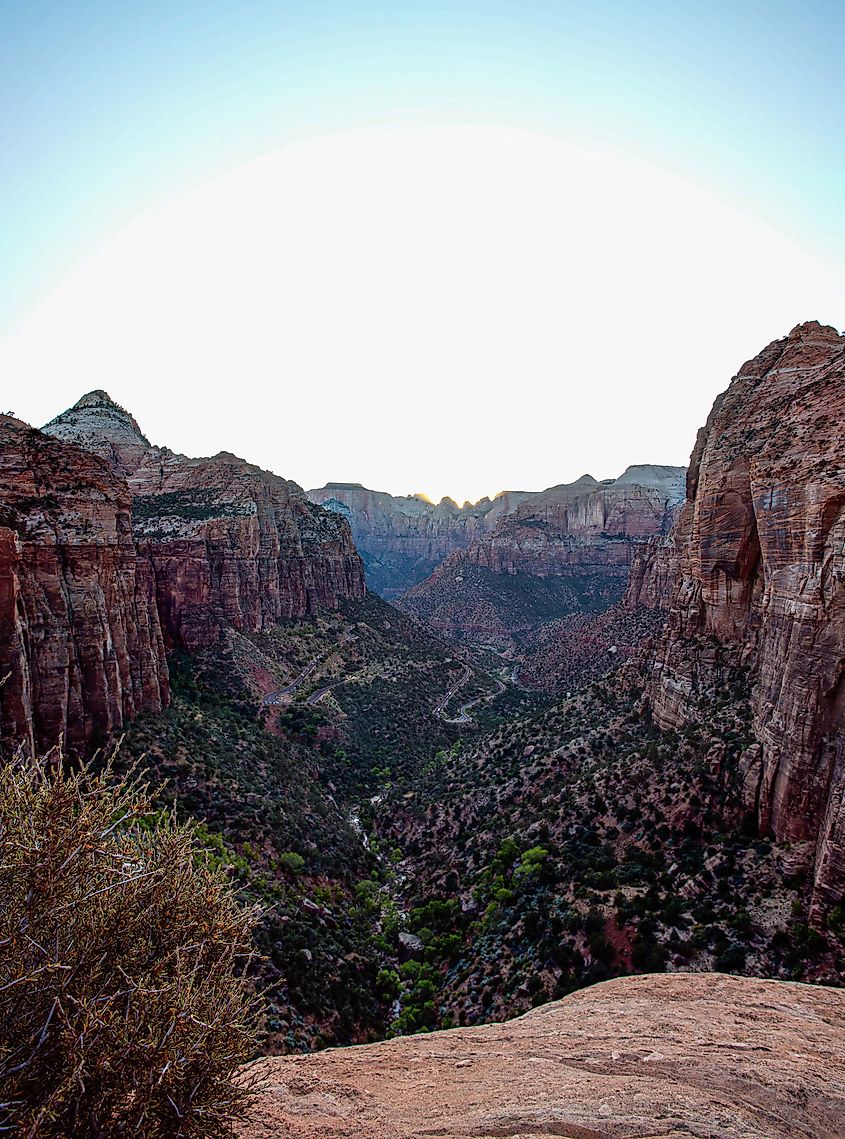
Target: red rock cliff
{"x": 229, "y": 544}
{"x": 581, "y": 526}
{"x": 759, "y": 567}
{"x": 235, "y": 545}
{"x": 402, "y": 539}
{"x": 80, "y": 641}
{"x": 563, "y": 550}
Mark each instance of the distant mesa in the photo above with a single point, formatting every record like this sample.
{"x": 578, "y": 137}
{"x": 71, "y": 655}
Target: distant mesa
{"x": 561, "y": 551}
{"x": 404, "y": 540}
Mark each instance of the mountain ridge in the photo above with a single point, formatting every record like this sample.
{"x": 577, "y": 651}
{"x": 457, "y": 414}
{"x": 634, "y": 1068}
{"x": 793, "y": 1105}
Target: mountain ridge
{"x": 100, "y": 526}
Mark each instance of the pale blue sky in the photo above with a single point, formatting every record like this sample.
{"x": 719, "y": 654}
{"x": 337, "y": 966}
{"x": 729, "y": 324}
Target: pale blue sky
{"x": 109, "y": 109}
{"x": 106, "y": 106}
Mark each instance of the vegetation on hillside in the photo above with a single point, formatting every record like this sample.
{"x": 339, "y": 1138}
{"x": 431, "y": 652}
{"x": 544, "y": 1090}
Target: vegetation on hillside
{"x": 585, "y": 843}
{"x": 284, "y": 841}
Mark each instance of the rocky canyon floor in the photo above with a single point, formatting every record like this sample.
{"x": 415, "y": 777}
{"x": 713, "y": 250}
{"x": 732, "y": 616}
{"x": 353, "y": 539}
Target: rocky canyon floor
{"x": 711, "y": 1056}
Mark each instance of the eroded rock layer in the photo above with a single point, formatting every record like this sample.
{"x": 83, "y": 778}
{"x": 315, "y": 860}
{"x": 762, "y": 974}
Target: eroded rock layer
{"x": 691, "y": 1055}
{"x": 98, "y": 424}
{"x": 402, "y": 539}
{"x": 112, "y": 550}
{"x": 229, "y": 543}
{"x": 567, "y": 549}
{"x": 758, "y": 562}
{"x": 81, "y": 646}
{"x": 233, "y": 545}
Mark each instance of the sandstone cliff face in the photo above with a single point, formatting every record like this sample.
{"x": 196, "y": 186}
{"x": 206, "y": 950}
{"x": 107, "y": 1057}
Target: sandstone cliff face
{"x": 759, "y": 563}
{"x": 235, "y": 545}
{"x": 98, "y": 424}
{"x": 229, "y": 544}
{"x": 586, "y": 524}
{"x": 567, "y": 549}
{"x": 402, "y": 539}
{"x": 80, "y": 639}
{"x": 112, "y": 550}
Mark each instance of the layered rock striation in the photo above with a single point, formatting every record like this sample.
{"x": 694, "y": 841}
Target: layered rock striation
{"x": 230, "y": 544}
{"x": 755, "y": 576}
{"x": 567, "y": 549}
{"x": 113, "y": 551}
{"x": 403, "y": 539}
{"x": 81, "y": 644}
{"x": 233, "y": 545}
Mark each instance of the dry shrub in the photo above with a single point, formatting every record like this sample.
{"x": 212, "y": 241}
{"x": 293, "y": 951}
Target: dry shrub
{"x": 123, "y": 1005}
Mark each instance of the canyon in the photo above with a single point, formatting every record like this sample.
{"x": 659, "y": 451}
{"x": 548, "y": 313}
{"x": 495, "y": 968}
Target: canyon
{"x": 564, "y": 550}
{"x": 598, "y": 733}
{"x": 403, "y": 539}
{"x": 566, "y": 531}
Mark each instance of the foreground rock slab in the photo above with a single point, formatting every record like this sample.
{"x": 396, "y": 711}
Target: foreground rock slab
{"x": 702, "y": 1055}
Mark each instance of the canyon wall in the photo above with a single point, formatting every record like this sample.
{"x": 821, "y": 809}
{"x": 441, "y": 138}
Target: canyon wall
{"x": 563, "y": 550}
{"x": 755, "y": 576}
{"x": 229, "y": 543}
{"x": 112, "y": 551}
{"x": 81, "y": 645}
{"x": 234, "y": 545}
{"x": 403, "y": 539}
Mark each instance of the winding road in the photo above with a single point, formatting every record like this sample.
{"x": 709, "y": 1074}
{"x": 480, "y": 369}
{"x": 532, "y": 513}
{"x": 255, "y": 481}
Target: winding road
{"x": 278, "y": 697}
{"x": 319, "y": 693}
{"x": 462, "y": 716}
{"x": 459, "y": 683}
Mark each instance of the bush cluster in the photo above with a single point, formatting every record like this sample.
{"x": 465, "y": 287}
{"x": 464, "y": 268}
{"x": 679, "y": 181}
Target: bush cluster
{"x": 124, "y": 1005}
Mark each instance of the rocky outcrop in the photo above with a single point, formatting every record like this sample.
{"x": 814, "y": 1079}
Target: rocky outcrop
{"x": 586, "y": 525}
{"x": 112, "y": 550}
{"x": 758, "y": 564}
{"x": 229, "y": 544}
{"x": 683, "y": 1054}
{"x": 653, "y": 573}
{"x": 402, "y": 539}
{"x": 233, "y": 545}
{"x": 81, "y": 646}
{"x": 566, "y": 549}
{"x": 100, "y": 425}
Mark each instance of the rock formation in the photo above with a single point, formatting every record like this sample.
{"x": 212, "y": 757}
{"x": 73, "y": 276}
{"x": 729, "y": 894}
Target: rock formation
{"x": 234, "y": 545}
{"x": 757, "y": 564}
{"x": 693, "y": 1055}
{"x": 403, "y": 539}
{"x": 98, "y": 424}
{"x": 566, "y": 549}
{"x": 230, "y": 544}
{"x": 112, "y": 550}
{"x": 81, "y": 645}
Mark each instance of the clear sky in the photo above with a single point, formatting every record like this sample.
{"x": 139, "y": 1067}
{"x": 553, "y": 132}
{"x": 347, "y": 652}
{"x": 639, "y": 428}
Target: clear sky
{"x": 448, "y": 247}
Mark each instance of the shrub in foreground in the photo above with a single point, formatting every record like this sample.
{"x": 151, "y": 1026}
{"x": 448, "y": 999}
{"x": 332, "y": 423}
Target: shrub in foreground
{"x": 123, "y": 1005}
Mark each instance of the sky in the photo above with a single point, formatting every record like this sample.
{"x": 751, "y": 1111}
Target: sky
{"x": 450, "y": 248}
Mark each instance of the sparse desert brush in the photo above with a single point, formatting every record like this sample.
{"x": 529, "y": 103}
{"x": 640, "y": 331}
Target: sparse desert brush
{"x": 124, "y": 1009}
